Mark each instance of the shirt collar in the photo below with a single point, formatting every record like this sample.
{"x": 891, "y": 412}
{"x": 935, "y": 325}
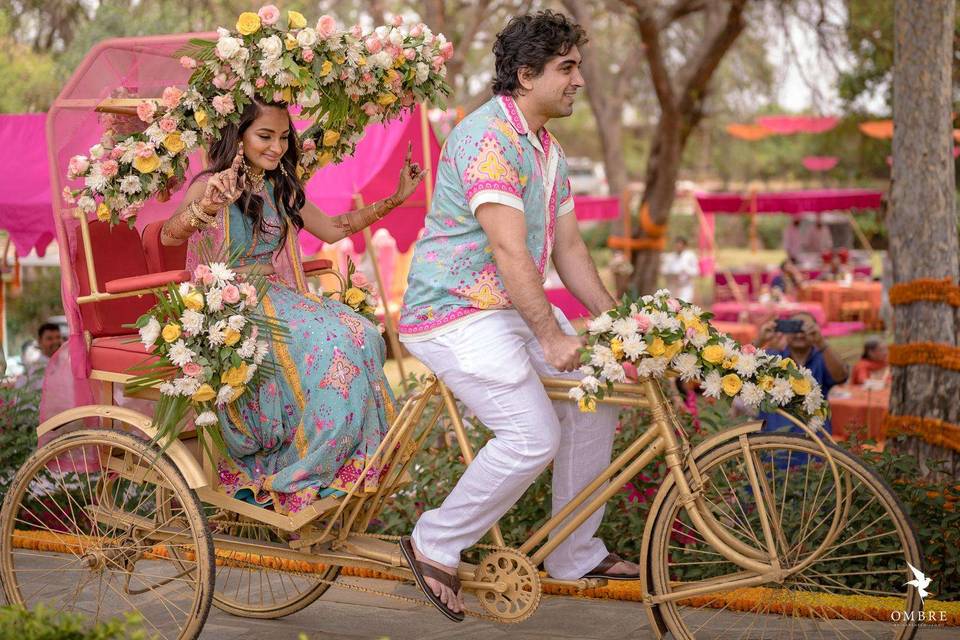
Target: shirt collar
{"x": 508, "y": 105}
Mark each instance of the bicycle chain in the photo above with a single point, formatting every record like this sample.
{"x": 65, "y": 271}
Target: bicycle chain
{"x": 416, "y": 601}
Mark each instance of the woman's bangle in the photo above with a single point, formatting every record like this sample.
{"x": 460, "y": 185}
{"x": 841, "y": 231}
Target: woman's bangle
{"x": 199, "y": 218}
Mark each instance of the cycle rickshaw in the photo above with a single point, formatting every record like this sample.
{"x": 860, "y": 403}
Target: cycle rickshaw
{"x": 751, "y": 534}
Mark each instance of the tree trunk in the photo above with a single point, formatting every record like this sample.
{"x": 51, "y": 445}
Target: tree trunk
{"x": 923, "y": 219}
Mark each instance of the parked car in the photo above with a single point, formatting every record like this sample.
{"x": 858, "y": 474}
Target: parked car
{"x": 587, "y": 177}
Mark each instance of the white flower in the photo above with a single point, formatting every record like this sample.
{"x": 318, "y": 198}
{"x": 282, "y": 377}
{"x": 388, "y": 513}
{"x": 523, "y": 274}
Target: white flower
{"x": 192, "y": 322}
{"x": 380, "y": 60}
{"x": 228, "y": 47}
{"x": 189, "y": 138}
{"x": 262, "y": 347}
{"x": 665, "y": 321}
{"x": 247, "y": 348}
{"x": 236, "y": 322}
{"x": 247, "y": 88}
{"x": 751, "y": 395}
{"x": 310, "y": 99}
{"x": 614, "y": 372}
{"x": 711, "y": 385}
{"x": 150, "y": 333}
{"x": 186, "y": 386}
{"x": 576, "y": 393}
{"x": 601, "y": 355}
{"x": 730, "y": 349}
{"x": 600, "y": 324}
{"x": 271, "y": 66}
{"x": 625, "y": 327}
{"x": 816, "y": 422}
{"x": 423, "y": 72}
{"x": 251, "y": 370}
{"x": 95, "y": 179}
{"x": 781, "y": 391}
{"x": 652, "y": 367}
{"x": 206, "y": 419}
{"x": 130, "y": 184}
{"x": 396, "y": 38}
{"x": 699, "y": 340}
{"x": 215, "y": 299}
{"x": 813, "y": 400}
{"x": 168, "y": 389}
{"x": 587, "y": 370}
{"x": 222, "y": 273}
{"x": 746, "y": 364}
{"x": 86, "y": 204}
{"x": 180, "y": 354}
{"x": 590, "y": 384}
{"x": 687, "y": 366}
{"x": 224, "y": 395}
{"x": 215, "y": 333}
{"x": 634, "y": 347}
{"x": 307, "y": 37}
{"x": 662, "y": 293}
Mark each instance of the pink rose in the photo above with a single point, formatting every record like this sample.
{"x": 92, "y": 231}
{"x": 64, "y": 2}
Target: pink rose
{"x": 201, "y": 272}
{"x": 192, "y": 369}
{"x": 367, "y": 77}
{"x": 748, "y": 349}
{"x": 187, "y": 62}
{"x": 373, "y": 44}
{"x": 370, "y": 109}
{"x": 437, "y": 63}
{"x": 326, "y": 26}
{"x": 417, "y": 30}
{"x": 167, "y": 124}
{"x": 308, "y": 55}
{"x": 643, "y": 322}
{"x": 171, "y": 97}
{"x": 144, "y": 150}
{"x": 630, "y": 371}
{"x": 408, "y": 99}
{"x": 223, "y": 104}
{"x": 128, "y": 212}
{"x": 394, "y": 50}
{"x": 409, "y": 54}
{"x": 109, "y": 168}
{"x": 78, "y": 166}
{"x": 397, "y": 20}
{"x": 254, "y": 332}
{"x": 447, "y": 50}
{"x": 673, "y": 305}
{"x": 116, "y": 153}
{"x": 231, "y": 294}
{"x": 146, "y": 110}
{"x": 309, "y": 145}
{"x": 356, "y": 31}
{"x": 67, "y": 196}
{"x": 260, "y": 83}
{"x": 269, "y": 14}
{"x": 360, "y": 280}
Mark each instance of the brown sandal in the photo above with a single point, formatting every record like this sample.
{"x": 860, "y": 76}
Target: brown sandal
{"x": 600, "y": 571}
{"x": 422, "y": 570}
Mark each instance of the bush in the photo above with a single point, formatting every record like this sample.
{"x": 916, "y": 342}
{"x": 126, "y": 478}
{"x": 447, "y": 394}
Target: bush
{"x": 45, "y": 624}
{"x": 19, "y": 417}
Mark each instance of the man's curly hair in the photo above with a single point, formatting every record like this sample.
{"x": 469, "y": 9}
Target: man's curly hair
{"x": 530, "y": 41}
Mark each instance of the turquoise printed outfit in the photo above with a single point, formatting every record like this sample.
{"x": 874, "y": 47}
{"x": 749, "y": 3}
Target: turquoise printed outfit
{"x": 491, "y": 157}
{"x": 309, "y": 430}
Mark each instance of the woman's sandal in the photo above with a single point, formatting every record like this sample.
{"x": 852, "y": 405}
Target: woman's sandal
{"x": 422, "y": 570}
{"x": 600, "y": 571}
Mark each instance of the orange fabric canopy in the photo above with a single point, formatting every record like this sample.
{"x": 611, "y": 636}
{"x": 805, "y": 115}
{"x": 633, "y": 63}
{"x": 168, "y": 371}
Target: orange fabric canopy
{"x": 749, "y": 132}
{"x": 877, "y": 128}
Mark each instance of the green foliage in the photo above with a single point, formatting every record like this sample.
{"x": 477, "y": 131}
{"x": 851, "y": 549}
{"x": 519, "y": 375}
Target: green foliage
{"x": 38, "y": 300}
{"x": 31, "y": 79}
{"x": 45, "y": 624}
{"x": 19, "y": 417}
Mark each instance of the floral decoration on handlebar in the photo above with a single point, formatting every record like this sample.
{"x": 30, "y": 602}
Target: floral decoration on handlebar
{"x": 212, "y": 344}
{"x": 359, "y": 294}
{"x": 343, "y": 80}
{"x": 655, "y": 333}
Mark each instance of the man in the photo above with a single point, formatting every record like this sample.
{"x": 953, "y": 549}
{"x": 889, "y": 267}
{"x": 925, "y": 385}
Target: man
{"x": 819, "y": 239}
{"x": 809, "y": 349}
{"x": 48, "y": 341}
{"x": 792, "y": 239}
{"x": 476, "y": 313}
{"x": 679, "y": 268}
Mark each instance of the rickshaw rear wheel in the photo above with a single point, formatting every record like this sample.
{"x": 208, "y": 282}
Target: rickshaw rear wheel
{"x": 101, "y": 523}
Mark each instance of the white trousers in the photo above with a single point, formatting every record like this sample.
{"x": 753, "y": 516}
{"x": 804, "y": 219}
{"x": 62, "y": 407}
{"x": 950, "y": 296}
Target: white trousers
{"x": 493, "y": 366}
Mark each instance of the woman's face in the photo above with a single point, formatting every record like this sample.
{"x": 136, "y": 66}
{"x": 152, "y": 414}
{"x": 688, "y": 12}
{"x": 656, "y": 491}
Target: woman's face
{"x": 267, "y": 138}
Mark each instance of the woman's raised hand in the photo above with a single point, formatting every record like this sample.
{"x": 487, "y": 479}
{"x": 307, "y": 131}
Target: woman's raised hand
{"x": 411, "y": 175}
{"x": 224, "y": 188}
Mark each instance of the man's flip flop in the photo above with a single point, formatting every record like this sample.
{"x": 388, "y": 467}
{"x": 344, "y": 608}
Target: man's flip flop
{"x": 422, "y": 570}
{"x": 600, "y": 571}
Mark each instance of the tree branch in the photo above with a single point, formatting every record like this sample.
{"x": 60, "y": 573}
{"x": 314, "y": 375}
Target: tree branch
{"x": 659, "y": 74}
{"x": 703, "y": 66}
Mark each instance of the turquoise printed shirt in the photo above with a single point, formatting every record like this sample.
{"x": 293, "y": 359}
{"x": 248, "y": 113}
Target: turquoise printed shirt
{"x": 491, "y": 156}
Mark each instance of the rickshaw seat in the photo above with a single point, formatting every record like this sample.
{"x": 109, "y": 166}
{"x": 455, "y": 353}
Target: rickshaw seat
{"x": 117, "y": 354}
{"x": 317, "y": 265}
{"x": 147, "y": 281}
{"x": 159, "y": 256}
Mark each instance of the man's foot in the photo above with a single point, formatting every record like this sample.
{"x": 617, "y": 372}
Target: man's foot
{"x": 613, "y": 567}
{"x": 443, "y": 584}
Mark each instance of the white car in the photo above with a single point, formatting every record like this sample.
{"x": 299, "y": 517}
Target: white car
{"x": 587, "y": 177}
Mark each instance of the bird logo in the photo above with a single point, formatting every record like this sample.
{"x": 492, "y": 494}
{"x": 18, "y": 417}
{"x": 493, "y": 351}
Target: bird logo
{"x": 920, "y": 581}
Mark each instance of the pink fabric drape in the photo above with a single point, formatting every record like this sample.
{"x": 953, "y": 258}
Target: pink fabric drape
{"x": 25, "y": 209}
{"x": 808, "y": 201}
{"x": 787, "y": 125}
{"x": 820, "y": 163}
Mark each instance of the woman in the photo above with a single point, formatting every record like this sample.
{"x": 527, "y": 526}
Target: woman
{"x": 309, "y": 431}
{"x": 873, "y": 364}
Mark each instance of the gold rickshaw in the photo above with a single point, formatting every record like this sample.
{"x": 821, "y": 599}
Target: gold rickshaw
{"x": 751, "y": 534}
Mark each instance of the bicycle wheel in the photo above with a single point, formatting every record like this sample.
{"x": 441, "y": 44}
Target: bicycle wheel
{"x": 850, "y": 586}
{"x": 99, "y": 523}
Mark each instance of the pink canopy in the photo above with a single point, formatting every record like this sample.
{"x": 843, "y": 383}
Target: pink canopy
{"x": 787, "y": 125}
{"x": 792, "y": 202}
{"x": 25, "y": 211}
{"x": 820, "y": 163}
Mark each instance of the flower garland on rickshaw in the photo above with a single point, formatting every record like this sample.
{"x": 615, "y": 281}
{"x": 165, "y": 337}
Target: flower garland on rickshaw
{"x": 342, "y": 80}
{"x": 646, "y": 337}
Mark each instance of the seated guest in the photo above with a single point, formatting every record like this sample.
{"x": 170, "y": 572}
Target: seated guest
{"x": 793, "y": 239}
{"x": 819, "y": 239}
{"x": 807, "y": 348}
{"x": 873, "y": 363}
{"x": 790, "y": 279}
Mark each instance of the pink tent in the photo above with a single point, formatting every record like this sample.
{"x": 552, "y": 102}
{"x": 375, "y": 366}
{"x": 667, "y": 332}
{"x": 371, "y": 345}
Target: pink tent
{"x": 792, "y": 202}
{"x": 25, "y": 210}
{"x": 788, "y": 125}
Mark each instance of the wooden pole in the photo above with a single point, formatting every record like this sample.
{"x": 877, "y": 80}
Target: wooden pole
{"x": 859, "y": 232}
{"x": 427, "y": 157}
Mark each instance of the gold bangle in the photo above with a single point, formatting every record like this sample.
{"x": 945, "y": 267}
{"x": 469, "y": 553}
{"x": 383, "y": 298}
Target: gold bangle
{"x": 199, "y": 218}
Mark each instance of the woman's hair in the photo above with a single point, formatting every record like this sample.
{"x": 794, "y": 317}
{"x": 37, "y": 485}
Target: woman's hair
{"x": 287, "y": 190}
{"x": 869, "y": 346}
{"x": 531, "y": 41}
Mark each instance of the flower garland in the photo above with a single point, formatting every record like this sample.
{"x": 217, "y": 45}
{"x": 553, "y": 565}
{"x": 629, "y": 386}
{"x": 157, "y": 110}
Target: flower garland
{"x": 925, "y": 290}
{"x": 343, "y": 80}
{"x": 359, "y": 294}
{"x": 660, "y": 332}
{"x": 944, "y": 356}
{"x": 933, "y": 430}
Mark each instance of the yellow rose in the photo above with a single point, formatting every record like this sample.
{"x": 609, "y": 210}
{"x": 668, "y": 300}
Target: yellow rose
{"x": 237, "y": 392}
{"x": 295, "y": 20}
{"x": 673, "y": 349}
{"x": 731, "y": 384}
{"x": 712, "y": 353}
{"x": 200, "y": 116}
{"x": 103, "y": 212}
{"x": 148, "y": 164}
{"x": 392, "y": 75}
{"x": 290, "y": 42}
{"x": 173, "y": 143}
{"x": 287, "y": 95}
{"x": 386, "y": 99}
{"x": 354, "y": 296}
{"x": 324, "y": 159}
{"x": 300, "y": 172}
{"x": 361, "y": 61}
{"x": 616, "y": 345}
{"x": 248, "y": 23}
{"x": 326, "y": 68}
{"x": 171, "y": 332}
{"x": 801, "y": 386}
{"x": 204, "y": 394}
{"x": 786, "y": 362}
{"x": 657, "y": 348}
{"x": 235, "y": 376}
{"x": 231, "y": 337}
{"x": 193, "y": 300}
{"x": 587, "y": 405}
{"x": 766, "y": 383}
{"x": 330, "y": 137}
{"x": 339, "y": 59}
{"x": 731, "y": 363}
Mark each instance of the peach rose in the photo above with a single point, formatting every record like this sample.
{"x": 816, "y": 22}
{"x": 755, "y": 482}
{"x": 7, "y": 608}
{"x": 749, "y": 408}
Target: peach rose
{"x": 269, "y": 14}
{"x": 171, "y": 96}
{"x": 192, "y": 369}
{"x": 146, "y": 110}
{"x": 231, "y": 294}
{"x": 326, "y": 26}
{"x": 167, "y": 125}
{"x": 109, "y": 168}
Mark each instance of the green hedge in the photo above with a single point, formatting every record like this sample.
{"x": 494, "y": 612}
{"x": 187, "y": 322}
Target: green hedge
{"x": 44, "y": 624}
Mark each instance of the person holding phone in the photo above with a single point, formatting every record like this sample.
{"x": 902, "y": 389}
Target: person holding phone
{"x": 800, "y": 339}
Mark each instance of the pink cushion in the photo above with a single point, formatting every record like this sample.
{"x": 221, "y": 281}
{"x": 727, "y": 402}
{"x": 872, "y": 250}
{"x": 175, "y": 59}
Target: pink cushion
{"x": 118, "y": 354}
{"x": 148, "y": 281}
{"x": 159, "y": 256}
{"x": 317, "y": 265}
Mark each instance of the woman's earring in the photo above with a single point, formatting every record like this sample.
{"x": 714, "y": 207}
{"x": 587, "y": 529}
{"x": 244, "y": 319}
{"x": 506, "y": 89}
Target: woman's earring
{"x": 283, "y": 170}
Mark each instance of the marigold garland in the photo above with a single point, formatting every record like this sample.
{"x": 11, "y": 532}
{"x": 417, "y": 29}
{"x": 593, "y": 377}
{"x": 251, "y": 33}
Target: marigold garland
{"x": 934, "y": 354}
{"x": 786, "y": 602}
{"x": 933, "y": 430}
{"x": 925, "y": 290}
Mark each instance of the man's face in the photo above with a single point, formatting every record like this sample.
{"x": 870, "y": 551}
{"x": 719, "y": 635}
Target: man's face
{"x": 801, "y": 341}
{"x": 49, "y": 342}
{"x": 555, "y": 90}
